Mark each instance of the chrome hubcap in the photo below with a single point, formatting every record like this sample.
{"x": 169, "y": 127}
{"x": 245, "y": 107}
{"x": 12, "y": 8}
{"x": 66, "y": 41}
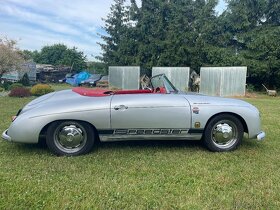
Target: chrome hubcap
{"x": 70, "y": 138}
{"x": 224, "y": 134}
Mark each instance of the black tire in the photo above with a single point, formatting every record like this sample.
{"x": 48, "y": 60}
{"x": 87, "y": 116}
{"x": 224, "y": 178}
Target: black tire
{"x": 223, "y": 133}
{"x": 70, "y": 138}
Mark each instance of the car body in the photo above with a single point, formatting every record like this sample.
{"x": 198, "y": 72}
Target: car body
{"x": 68, "y": 75}
{"x": 91, "y": 81}
{"x": 103, "y": 82}
{"x": 72, "y": 120}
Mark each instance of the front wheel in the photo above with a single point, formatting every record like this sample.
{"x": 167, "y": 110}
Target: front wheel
{"x": 223, "y": 133}
{"x": 70, "y": 138}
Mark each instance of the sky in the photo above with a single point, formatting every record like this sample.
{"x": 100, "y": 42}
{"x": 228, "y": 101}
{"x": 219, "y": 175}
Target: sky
{"x": 37, "y": 23}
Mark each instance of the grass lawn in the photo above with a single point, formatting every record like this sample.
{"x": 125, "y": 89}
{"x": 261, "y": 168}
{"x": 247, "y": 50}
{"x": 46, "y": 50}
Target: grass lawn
{"x": 143, "y": 175}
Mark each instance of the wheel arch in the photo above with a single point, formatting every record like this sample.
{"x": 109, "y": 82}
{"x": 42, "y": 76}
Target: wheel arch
{"x": 43, "y": 132}
{"x": 244, "y": 124}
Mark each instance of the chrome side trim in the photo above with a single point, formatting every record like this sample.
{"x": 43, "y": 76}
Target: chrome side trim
{"x": 150, "y": 131}
{"x": 5, "y": 136}
{"x": 122, "y": 137}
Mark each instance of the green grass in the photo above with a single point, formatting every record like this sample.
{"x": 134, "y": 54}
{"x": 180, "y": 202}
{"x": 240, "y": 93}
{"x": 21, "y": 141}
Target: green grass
{"x": 143, "y": 175}
{"x": 61, "y": 86}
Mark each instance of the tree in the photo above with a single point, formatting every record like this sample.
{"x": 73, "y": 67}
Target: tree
{"x": 60, "y": 54}
{"x": 97, "y": 68}
{"x": 164, "y": 33}
{"x": 273, "y": 11}
{"x": 262, "y": 55}
{"x": 190, "y": 33}
{"x": 27, "y": 54}
{"x": 115, "y": 28}
{"x": 10, "y": 57}
{"x": 253, "y": 29}
{"x": 25, "y": 80}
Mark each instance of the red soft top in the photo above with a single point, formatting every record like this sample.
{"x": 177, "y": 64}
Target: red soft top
{"x": 104, "y": 92}
{"x": 92, "y": 92}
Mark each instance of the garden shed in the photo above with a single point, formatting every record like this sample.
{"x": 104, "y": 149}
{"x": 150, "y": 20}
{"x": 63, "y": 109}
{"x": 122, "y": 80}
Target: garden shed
{"x": 179, "y": 76}
{"x": 223, "y": 81}
{"x": 124, "y": 77}
{"x": 27, "y": 67}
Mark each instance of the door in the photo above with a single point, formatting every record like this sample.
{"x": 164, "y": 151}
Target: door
{"x": 150, "y": 111}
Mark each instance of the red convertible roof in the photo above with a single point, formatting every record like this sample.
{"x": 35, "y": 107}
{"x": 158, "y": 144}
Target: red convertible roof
{"x": 91, "y": 92}
{"x": 103, "y": 92}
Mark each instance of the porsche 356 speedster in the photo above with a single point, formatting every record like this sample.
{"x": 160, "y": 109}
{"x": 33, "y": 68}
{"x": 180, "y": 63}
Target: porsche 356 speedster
{"x": 71, "y": 121}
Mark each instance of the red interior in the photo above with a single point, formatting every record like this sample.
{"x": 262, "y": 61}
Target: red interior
{"x": 91, "y": 92}
{"x": 103, "y": 92}
{"x": 118, "y": 92}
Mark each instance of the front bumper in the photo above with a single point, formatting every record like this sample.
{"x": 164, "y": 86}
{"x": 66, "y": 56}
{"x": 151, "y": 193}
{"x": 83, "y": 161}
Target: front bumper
{"x": 5, "y": 136}
{"x": 261, "y": 136}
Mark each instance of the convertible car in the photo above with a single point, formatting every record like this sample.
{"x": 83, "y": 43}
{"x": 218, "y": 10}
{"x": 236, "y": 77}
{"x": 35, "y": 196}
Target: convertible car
{"x": 71, "y": 121}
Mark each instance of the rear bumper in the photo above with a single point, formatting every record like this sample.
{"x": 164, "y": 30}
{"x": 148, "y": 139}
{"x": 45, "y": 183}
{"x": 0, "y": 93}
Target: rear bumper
{"x": 5, "y": 136}
{"x": 261, "y": 136}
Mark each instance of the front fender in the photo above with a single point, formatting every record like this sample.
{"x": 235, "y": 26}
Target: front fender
{"x": 26, "y": 128}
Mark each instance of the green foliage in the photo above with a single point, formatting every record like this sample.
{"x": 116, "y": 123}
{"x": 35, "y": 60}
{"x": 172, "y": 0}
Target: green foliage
{"x": 27, "y": 54}
{"x": 5, "y": 84}
{"x": 119, "y": 41}
{"x": 41, "y": 89}
{"x": 25, "y": 80}
{"x": 1, "y": 89}
{"x": 97, "y": 68}
{"x": 59, "y": 55}
{"x": 15, "y": 85}
{"x": 189, "y": 33}
{"x": 159, "y": 33}
{"x": 273, "y": 11}
{"x": 19, "y": 92}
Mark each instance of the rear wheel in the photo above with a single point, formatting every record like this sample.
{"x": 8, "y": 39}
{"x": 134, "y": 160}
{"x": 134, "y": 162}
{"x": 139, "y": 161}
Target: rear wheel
{"x": 70, "y": 138}
{"x": 223, "y": 133}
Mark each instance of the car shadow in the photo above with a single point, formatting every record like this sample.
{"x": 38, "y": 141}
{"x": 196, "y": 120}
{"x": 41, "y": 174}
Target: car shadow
{"x": 143, "y": 144}
{"x": 31, "y": 148}
{"x": 41, "y": 148}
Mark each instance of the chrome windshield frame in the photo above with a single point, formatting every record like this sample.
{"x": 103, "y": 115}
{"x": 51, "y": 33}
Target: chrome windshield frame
{"x": 167, "y": 84}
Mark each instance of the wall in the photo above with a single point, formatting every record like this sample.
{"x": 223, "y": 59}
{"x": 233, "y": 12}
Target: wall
{"x": 124, "y": 77}
{"x": 223, "y": 81}
{"x": 179, "y": 76}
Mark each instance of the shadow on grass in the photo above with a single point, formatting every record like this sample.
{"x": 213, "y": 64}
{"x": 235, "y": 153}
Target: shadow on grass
{"x": 142, "y": 145}
{"x": 31, "y": 148}
{"x": 148, "y": 144}
{"x": 251, "y": 144}
{"x": 137, "y": 145}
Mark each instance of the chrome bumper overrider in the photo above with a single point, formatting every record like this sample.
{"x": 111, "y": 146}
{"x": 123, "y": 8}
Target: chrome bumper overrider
{"x": 261, "y": 136}
{"x": 5, "y": 136}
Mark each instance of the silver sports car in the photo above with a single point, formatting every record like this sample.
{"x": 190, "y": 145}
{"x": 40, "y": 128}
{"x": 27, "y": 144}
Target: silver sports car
{"x": 71, "y": 121}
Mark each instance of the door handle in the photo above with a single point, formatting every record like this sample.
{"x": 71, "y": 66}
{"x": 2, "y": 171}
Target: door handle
{"x": 120, "y": 107}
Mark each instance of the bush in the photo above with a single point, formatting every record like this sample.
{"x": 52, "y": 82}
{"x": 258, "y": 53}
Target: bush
{"x": 19, "y": 92}
{"x": 25, "y": 80}
{"x": 41, "y": 89}
{"x": 1, "y": 89}
{"x": 15, "y": 85}
{"x": 250, "y": 88}
{"x": 5, "y": 84}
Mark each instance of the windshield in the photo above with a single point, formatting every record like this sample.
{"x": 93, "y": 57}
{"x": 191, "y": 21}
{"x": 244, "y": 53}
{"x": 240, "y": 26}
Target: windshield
{"x": 161, "y": 81}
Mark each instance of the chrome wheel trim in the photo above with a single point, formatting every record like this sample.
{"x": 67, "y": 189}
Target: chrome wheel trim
{"x": 70, "y": 138}
{"x": 224, "y": 134}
